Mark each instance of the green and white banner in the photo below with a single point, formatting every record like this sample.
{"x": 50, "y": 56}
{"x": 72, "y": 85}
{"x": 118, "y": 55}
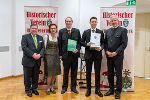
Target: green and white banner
{"x": 126, "y": 19}
{"x": 42, "y": 16}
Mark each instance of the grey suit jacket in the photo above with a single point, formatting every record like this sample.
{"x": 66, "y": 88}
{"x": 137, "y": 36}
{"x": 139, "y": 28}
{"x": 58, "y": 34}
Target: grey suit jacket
{"x": 116, "y": 40}
{"x": 86, "y": 38}
{"x": 28, "y": 47}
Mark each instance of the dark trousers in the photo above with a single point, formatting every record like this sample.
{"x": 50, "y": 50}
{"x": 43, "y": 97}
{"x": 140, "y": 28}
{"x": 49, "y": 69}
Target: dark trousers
{"x": 117, "y": 64}
{"x": 31, "y": 75}
{"x": 97, "y": 67}
{"x": 70, "y": 62}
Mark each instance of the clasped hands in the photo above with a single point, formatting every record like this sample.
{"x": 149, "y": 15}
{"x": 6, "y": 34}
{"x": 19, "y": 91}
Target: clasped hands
{"x": 111, "y": 54}
{"x": 36, "y": 56}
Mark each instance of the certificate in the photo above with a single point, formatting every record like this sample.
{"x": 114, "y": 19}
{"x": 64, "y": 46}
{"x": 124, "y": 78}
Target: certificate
{"x": 95, "y": 38}
{"x": 71, "y": 45}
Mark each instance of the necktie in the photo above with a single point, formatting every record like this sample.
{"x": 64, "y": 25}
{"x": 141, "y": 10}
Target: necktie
{"x": 69, "y": 32}
{"x": 35, "y": 41}
{"x": 93, "y": 31}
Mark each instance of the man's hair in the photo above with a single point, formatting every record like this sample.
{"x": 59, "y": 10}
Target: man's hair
{"x": 70, "y": 18}
{"x": 52, "y": 25}
{"x": 93, "y": 18}
{"x": 34, "y": 24}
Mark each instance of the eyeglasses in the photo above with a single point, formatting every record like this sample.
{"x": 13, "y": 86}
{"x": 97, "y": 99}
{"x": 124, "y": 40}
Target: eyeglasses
{"x": 52, "y": 28}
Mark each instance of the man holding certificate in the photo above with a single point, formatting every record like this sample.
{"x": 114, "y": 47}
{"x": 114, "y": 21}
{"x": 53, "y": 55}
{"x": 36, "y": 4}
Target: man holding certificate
{"x": 69, "y": 46}
{"x": 93, "y": 41}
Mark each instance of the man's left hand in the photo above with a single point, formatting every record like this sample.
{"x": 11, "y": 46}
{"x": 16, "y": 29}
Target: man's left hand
{"x": 75, "y": 51}
{"x": 114, "y": 54}
{"x": 98, "y": 49}
{"x": 38, "y": 56}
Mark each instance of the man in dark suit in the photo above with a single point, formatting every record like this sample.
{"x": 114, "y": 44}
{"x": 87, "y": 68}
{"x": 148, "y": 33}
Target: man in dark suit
{"x": 69, "y": 58}
{"x": 33, "y": 48}
{"x": 93, "y": 56}
{"x": 115, "y": 43}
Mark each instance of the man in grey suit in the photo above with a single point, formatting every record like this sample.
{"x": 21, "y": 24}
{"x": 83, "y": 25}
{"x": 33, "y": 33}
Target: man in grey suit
{"x": 115, "y": 43}
{"x": 33, "y": 48}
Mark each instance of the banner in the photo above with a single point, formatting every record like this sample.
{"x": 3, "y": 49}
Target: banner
{"x": 43, "y": 17}
{"x": 126, "y": 19}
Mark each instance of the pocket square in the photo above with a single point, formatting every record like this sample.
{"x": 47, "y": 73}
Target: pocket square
{"x": 40, "y": 41}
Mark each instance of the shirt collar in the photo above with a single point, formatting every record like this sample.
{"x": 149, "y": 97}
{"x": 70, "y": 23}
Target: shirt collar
{"x": 50, "y": 38}
{"x": 93, "y": 29}
{"x": 115, "y": 27}
{"x": 69, "y": 29}
{"x": 32, "y": 35}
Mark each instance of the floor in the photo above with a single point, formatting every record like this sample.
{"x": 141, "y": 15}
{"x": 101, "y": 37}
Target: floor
{"x": 13, "y": 89}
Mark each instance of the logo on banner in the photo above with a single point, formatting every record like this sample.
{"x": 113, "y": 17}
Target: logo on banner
{"x": 49, "y": 22}
{"x": 125, "y": 22}
{"x": 126, "y": 80}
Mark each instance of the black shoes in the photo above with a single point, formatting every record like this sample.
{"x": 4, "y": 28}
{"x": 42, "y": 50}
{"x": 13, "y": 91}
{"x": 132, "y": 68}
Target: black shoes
{"x": 75, "y": 91}
{"x": 88, "y": 93}
{"x": 63, "y": 91}
{"x": 29, "y": 94}
{"x": 99, "y": 93}
{"x": 110, "y": 92}
{"x": 53, "y": 91}
{"x": 117, "y": 96}
{"x": 35, "y": 92}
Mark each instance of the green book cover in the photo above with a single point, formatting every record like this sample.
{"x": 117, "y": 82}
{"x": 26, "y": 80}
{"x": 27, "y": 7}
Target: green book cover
{"x": 71, "y": 45}
{"x": 93, "y": 48}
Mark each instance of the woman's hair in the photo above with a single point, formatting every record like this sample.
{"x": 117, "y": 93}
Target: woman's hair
{"x": 52, "y": 25}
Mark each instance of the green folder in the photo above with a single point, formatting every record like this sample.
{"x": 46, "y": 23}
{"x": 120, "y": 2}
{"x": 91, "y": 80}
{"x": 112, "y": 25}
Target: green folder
{"x": 71, "y": 45}
{"x": 93, "y": 48}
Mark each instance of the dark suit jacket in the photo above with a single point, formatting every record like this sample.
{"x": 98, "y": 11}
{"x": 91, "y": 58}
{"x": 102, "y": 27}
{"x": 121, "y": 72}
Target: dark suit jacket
{"x": 28, "y": 47}
{"x": 86, "y": 38}
{"x": 116, "y": 41}
{"x": 63, "y": 41}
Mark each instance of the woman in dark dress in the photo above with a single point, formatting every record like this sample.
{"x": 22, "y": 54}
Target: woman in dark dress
{"x": 52, "y": 58}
